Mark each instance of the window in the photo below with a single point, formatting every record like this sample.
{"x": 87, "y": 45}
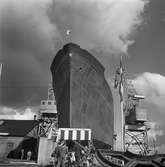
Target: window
{"x": 10, "y": 145}
{"x": 43, "y": 102}
{"x": 49, "y": 103}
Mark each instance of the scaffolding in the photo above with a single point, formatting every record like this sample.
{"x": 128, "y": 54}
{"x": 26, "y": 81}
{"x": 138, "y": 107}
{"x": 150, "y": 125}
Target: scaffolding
{"x": 48, "y": 116}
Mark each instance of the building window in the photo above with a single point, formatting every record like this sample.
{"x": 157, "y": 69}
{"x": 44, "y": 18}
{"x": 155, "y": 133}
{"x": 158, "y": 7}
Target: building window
{"x": 10, "y": 145}
{"x": 49, "y": 103}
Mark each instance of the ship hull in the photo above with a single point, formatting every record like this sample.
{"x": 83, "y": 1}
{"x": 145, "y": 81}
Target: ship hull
{"x": 84, "y": 99}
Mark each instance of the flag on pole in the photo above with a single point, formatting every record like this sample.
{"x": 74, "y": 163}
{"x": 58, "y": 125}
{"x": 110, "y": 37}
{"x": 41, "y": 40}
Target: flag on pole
{"x": 68, "y": 32}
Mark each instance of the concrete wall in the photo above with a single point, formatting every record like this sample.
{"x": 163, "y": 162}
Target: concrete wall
{"x": 8, "y": 144}
{"x": 46, "y": 148}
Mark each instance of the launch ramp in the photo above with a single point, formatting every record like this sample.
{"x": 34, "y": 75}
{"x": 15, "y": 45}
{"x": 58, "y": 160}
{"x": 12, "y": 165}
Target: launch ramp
{"x": 108, "y": 158}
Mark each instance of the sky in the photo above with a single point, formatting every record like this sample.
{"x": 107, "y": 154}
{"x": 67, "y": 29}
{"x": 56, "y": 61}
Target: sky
{"x": 32, "y": 31}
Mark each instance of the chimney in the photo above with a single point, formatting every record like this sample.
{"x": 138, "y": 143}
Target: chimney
{"x": 35, "y": 117}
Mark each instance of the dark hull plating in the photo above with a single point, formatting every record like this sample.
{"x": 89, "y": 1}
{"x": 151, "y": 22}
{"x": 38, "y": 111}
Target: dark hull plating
{"x": 84, "y": 99}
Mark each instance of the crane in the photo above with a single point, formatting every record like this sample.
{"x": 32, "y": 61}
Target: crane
{"x": 133, "y": 119}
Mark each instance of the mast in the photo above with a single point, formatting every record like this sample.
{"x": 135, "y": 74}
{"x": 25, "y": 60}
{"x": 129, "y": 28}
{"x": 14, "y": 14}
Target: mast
{"x": 0, "y": 70}
{"x": 121, "y": 92}
{"x": 119, "y": 82}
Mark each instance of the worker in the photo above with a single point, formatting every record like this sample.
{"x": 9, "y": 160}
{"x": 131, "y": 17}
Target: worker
{"x": 77, "y": 149}
{"x": 61, "y": 151}
{"x": 29, "y": 154}
{"x": 22, "y": 153}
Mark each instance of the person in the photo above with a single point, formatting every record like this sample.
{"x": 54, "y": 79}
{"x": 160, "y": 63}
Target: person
{"x": 91, "y": 147}
{"x": 73, "y": 159}
{"x": 22, "y": 153}
{"x": 84, "y": 160}
{"x": 29, "y": 154}
{"x": 86, "y": 149}
{"x": 94, "y": 161}
{"x": 69, "y": 163}
{"x": 55, "y": 154}
{"x": 88, "y": 155}
{"x": 61, "y": 152}
{"x": 77, "y": 149}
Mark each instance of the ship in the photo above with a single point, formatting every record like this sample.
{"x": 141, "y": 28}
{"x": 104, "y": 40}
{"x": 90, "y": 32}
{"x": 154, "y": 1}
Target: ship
{"x": 83, "y": 96}
{"x": 84, "y": 100}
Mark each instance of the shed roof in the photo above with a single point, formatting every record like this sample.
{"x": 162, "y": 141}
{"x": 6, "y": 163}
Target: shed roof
{"x": 17, "y": 128}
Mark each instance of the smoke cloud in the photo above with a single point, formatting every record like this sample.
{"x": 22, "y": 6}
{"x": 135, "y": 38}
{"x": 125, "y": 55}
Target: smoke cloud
{"x": 31, "y": 31}
{"x": 25, "y": 26}
{"x": 152, "y": 86}
{"x": 27, "y": 44}
{"x": 154, "y": 131}
{"x": 18, "y": 114}
{"x": 161, "y": 149}
{"x": 99, "y": 24}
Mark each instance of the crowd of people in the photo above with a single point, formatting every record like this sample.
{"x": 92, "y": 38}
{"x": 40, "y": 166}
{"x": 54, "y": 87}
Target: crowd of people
{"x": 75, "y": 156}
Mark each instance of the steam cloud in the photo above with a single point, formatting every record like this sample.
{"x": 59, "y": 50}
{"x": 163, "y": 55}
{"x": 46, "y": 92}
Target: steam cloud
{"x": 31, "y": 31}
